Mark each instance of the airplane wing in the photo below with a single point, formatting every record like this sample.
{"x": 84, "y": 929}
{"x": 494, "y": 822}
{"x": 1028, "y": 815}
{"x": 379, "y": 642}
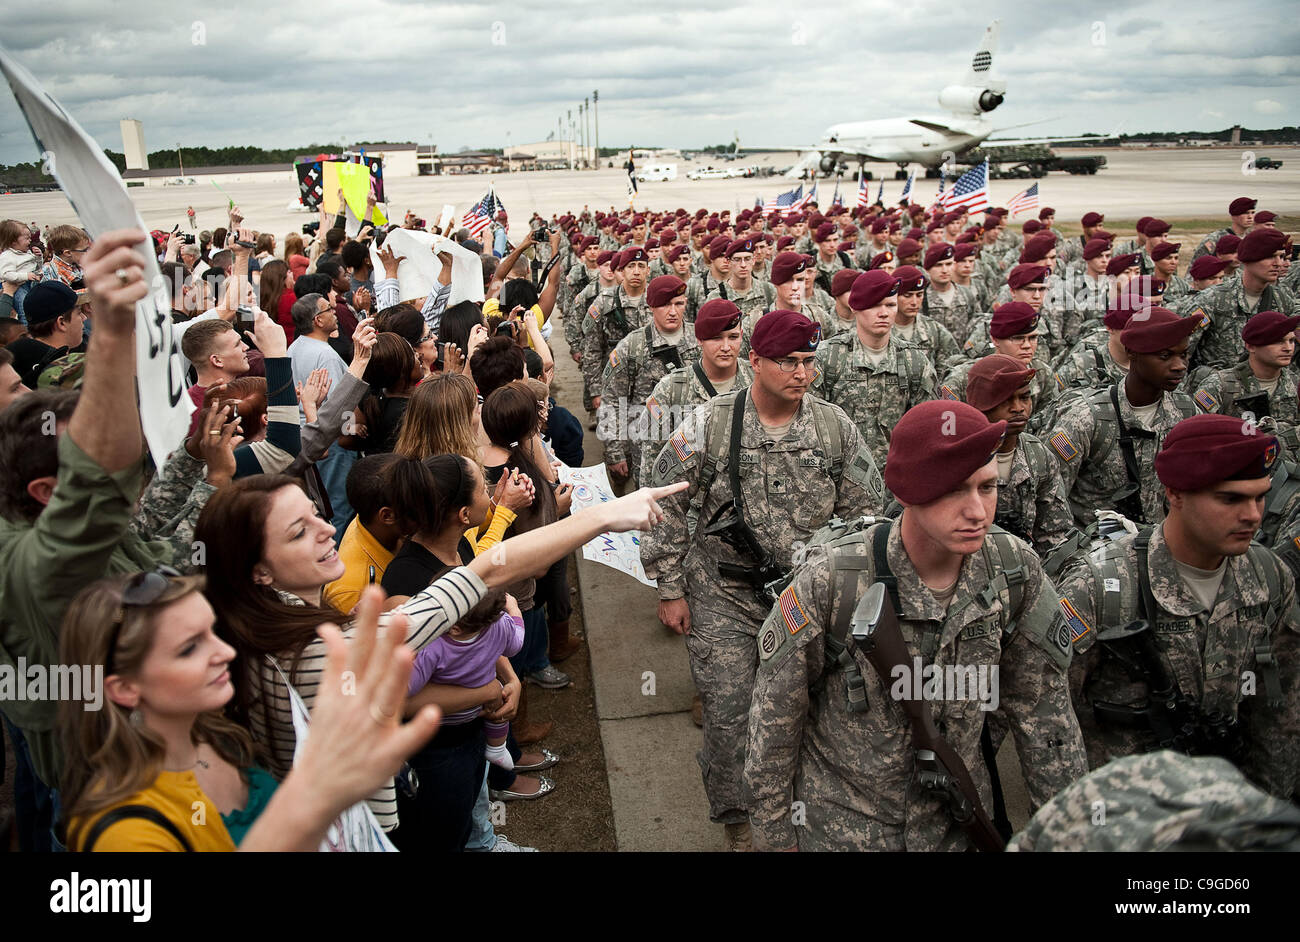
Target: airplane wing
{"x": 935, "y": 126}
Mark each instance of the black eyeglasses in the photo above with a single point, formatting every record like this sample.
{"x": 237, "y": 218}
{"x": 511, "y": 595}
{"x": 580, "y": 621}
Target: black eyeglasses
{"x": 144, "y": 588}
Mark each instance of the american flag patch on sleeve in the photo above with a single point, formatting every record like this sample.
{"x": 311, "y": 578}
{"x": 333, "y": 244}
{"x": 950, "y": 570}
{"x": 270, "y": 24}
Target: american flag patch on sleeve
{"x": 1064, "y": 447}
{"x": 594, "y": 311}
{"x": 1202, "y": 316}
{"x": 795, "y": 617}
{"x": 947, "y": 392}
{"x": 681, "y": 446}
{"x": 1078, "y": 627}
{"x": 653, "y": 407}
{"x": 1205, "y": 400}
{"x": 613, "y": 358}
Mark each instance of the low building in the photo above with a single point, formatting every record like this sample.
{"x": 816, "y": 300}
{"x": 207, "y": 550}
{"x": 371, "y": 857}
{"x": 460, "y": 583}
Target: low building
{"x": 400, "y": 160}
{"x": 554, "y": 155}
{"x": 251, "y": 173}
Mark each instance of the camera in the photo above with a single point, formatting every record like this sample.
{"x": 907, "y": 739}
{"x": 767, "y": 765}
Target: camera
{"x": 188, "y": 238}
{"x": 311, "y": 228}
{"x": 245, "y": 314}
{"x": 508, "y": 329}
{"x": 542, "y": 234}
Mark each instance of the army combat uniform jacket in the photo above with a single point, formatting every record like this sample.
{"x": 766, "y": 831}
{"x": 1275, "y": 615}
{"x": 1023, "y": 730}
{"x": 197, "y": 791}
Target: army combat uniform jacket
{"x": 1217, "y": 658}
{"x": 613, "y": 315}
{"x": 1032, "y": 503}
{"x": 1224, "y": 310}
{"x": 825, "y": 777}
{"x": 954, "y": 311}
{"x": 1236, "y": 391}
{"x": 756, "y": 300}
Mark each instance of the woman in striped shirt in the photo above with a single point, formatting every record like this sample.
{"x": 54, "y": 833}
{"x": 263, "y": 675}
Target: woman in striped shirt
{"x": 270, "y": 555}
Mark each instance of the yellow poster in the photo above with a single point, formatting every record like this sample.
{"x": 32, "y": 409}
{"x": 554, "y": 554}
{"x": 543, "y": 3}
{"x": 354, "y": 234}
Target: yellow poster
{"x": 355, "y": 181}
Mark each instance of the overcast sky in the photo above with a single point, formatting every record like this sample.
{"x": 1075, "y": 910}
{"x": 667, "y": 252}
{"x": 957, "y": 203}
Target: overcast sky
{"x": 679, "y": 73}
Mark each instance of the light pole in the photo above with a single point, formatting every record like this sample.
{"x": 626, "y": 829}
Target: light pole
{"x": 180, "y": 157}
{"x": 571, "y": 154}
{"x": 587, "y": 122}
{"x": 582, "y": 138}
{"x": 595, "y": 101}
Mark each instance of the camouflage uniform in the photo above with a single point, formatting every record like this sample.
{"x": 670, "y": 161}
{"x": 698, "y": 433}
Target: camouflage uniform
{"x": 1291, "y": 280}
{"x": 1091, "y": 297}
{"x": 866, "y": 251}
{"x": 1176, "y": 287}
{"x": 1222, "y": 391}
{"x": 697, "y": 291}
{"x": 678, "y": 393}
{"x": 1059, "y": 313}
{"x": 1032, "y": 504}
{"x": 789, "y": 490}
{"x": 1206, "y": 246}
{"x": 607, "y": 328}
{"x": 1219, "y": 344}
{"x": 854, "y": 773}
{"x": 943, "y": 352}
{"x": 826, "y": 270}
{"x": 1070, "y": 250}
{"x": 1207, "y": 653}
{"x": 756, "y": 300}
{"x": 1086, "y": 441}
{"x": 608, "y": 243}
{"x": 875, "y": 397}
{"x": 630, "y": 376}
{"x": 1042, "y": 388}
{"x": 1162, "y": 801}
{"x": 954, "y": 312}
{"x": 575, "y": 281}
{"x": 1088, "y": 364}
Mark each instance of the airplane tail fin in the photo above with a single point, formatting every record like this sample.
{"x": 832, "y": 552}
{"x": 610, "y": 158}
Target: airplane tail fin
{"x": 981, "y": 66}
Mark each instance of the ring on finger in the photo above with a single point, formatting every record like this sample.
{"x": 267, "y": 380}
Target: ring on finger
{"x": 123, "y": 276}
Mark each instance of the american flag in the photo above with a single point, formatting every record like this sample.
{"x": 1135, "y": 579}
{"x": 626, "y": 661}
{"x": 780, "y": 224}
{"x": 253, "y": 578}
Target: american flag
{"x": 835, "y": 197}
{"x": 880, "y": 193}
{"x": 971, "y": 191}
{"x": 907, "y": 187}
{"x": 479, "y": 216}
{"x": 1023, "y": 201}
{"x": 862, "y": 191}
{"x": 785, "y": 201}
{"x": 803, "y": 201}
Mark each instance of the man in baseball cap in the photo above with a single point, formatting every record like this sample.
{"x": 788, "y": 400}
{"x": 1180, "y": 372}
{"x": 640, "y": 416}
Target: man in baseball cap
{"x": 55, "y": 325}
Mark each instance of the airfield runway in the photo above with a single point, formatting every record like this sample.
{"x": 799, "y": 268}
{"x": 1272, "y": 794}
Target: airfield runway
{"x": 640, "y": 680}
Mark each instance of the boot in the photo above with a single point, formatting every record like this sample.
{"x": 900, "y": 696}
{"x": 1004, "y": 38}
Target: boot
{"x": 562, "y": 646}
{"x": 527, "y": 733}
{"x": 739, "y": 838}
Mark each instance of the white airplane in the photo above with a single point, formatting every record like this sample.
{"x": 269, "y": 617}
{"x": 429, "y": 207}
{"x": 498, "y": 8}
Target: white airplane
{"x": 927, "y": 140}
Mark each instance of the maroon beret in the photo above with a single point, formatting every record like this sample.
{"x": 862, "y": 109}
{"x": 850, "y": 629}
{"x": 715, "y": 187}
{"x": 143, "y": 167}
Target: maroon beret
{"x": 1207, "y": 266}
{"x": 908, "y": 247}
{"x": 910, "y": 278}
{"x": 701, "y": 213}
{"x": 786, "y": 265}
{"x": 744, "y": 244}
{"x": 843, "y": 280}
{"x": 850, "y": 230}
{"x": 1092, "y": 219}
{"x": 914, "y": 234}
{"x": 634, "y": 253}
{"x": 1268, "y": 327}
{"x": 963, "y": 250}
{"x": 667, "y": 235}
{"x": 711, "y": 223}
{"x": 880, "y": 259}
{"x": 663, "y": 289}
{"x": 1155, "y": 227}
{"x": 1031, "y": 226}
{"x": 638, "y": 220}
{"x": 1158, "y": 288}
{"x": 815, "y": 219}
{"x": 1094, "y": 248}
{"x": 824, "y": 232}
{"x": 1207, "y": 449}
{"x": 718, "y": 246}
{"x": 1014, "y": 317}
{"x": 780, "y": 333}
{"x": 676, "y": 252}
{"x": 618, "y": 261}
{"x": 1164, "y": 250}
{"x": 993, "y": 379}
{"x": 939, "y": 252}
{"x": 951, "y": 217}
{"x": 784, "y": 241}
{"x": 651, "y": 244}
{"x": 714, "y": 317}
{"x": 1103, "y": 234}
{"x": 936, "y": 446}
{"x": 846, "y": 246}
{"x": 1259, "y": 244}
{"x": 1121, "y": 263}
{"x": 992, "y": 222}
{"x": 1264, "y": 216}
{"x": 934, "y": 226}
{"x": 1045, "y": 212}
{"x": 605, "y": 256}
{"x": 1026, "y": 274}
{"x": 879, "y": 225}
{"x": 1121, "y": 309}
{"x": 871, "y": 288}
{"x": 1142, "y": 223}
{"x": 1228, "y": 244}
{"x": 1242, "y": 204}
{"x": 1036, "y": 249}
{"x": 1157, "y": 329}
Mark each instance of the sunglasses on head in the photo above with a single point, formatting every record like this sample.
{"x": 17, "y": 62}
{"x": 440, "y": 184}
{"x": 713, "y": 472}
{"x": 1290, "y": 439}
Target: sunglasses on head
{"x": 143, "y": 589}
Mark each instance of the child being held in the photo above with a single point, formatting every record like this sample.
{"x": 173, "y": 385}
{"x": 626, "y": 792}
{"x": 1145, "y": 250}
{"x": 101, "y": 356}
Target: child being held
{"x": 466, "y": 656}
{"x": 18, "y": 264}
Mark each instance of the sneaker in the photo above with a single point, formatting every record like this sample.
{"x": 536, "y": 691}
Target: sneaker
{"x": 550, "y": 678}
{"x": 506, "y": 846}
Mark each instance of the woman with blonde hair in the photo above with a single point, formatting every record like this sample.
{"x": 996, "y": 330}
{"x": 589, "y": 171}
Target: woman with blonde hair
{"x": 442, "y": 418}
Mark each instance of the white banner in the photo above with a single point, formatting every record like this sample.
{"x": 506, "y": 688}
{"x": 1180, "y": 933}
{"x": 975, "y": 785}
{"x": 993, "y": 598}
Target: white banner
{"x": 98, "y": 195}
{"x": 417, "y": 275}
{"x": 621, "y": 551}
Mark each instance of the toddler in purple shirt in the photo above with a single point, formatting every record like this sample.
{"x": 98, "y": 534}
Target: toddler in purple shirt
{"x": 466, "y": 656}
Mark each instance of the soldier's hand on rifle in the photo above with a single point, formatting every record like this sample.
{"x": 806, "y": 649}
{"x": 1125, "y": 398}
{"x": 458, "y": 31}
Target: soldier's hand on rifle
{"x": 675, "y": 615}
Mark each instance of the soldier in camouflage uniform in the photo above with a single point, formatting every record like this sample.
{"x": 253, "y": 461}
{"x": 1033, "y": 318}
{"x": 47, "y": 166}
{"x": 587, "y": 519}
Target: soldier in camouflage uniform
{"x": 788, "y": 271}
{"x": 1162, "y": 801}
{"x": 1164, "y": 258}
{"x": 1224, "y": 309}
{"x": 740, "y": 288}
{"x": 614, "y": 314}
{"x": 1222, "y": 611}
{"x": 577, "y": 320}
{"x": 717, "y": 269}
{"x": 1107, "y": 449}
{"x": 828, "y": 259}
{"x": 1031, "y": 497}
{"x": 1028, "y": 285}
{"x": 873, "y": 376}
{"x": 1204, "y": 273}
{"x": 921, "y": 331}
{"x": 842, "y": 319}
{"x": 1071, "y": 250}
{"x": 1056, "y": 301}
{"x": 870, "y": 248}
{"x": 1014, "y": 331}
{"x": 636, "y": 365}
{"x": 1241, "y": 213}
{"x": 1090, "y": 286}
{"x": 800, "y": 462}
{"x": 720, "y": 370}
{"x": 1264, "y": 384}
{"x": 829, "y": 773}
{"x": 947, "y": 303}
{"x": 584, "y": 270}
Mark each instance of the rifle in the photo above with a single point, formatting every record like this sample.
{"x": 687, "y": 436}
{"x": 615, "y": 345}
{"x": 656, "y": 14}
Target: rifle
{"x": 877, "y": 635}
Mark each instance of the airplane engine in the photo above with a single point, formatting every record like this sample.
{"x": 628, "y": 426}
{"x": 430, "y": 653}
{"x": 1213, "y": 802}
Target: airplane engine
{"x": 961, "y": 99}
{"x": 827, "y": 164}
